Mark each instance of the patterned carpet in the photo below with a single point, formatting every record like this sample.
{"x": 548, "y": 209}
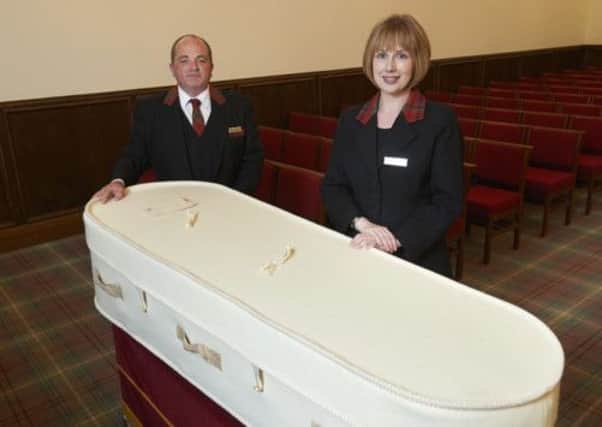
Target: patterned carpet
{"x": 56, "y": 352}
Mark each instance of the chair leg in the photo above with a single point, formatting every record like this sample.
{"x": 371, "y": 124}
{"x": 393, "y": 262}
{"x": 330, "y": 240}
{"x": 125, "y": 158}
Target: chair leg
{"x": 569, "y": 207}
{"x": 546, "y": 214}
{"x": 516, "y": 243}
{"x": 487, "y": 248}
{"x": 590, "y": 190}
{"x": 459, "y": 259}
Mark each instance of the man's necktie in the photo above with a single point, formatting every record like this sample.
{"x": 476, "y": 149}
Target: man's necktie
{"x": 198, "y": 123}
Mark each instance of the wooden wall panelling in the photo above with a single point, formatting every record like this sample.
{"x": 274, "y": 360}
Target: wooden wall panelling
{"x": 8, "y": 206}
{"x": 338, "y": 90}
{"x": 274, "y": 99}
{"x": 505, "y": 68}
{"x": 593, "y": 56}
{"x": 64, "y": 153}
{"x": 453, "y": 74}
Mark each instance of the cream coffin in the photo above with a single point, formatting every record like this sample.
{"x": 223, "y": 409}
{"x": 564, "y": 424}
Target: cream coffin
{"x": 282, "y": 323}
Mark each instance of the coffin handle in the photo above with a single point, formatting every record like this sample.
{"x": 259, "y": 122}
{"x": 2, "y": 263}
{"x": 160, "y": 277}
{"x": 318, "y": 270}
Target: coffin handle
{"x": 111, "y": 289}
{"x": 208, "y": 354}
{"x": 186, "y": 344}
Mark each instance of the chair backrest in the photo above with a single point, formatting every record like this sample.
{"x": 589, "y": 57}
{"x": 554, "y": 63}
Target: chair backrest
{"x": 507, "y": 103}
{"x": 502, "y": 93}
{"x": 267, "y": 184}
{"x": 301, "y": 150}
{"x": 572, "y": 98}
{"x": 563, "y": 89}
{"x": 467, "y": 111}
{"x": 534, "y": 95}
{"x": 504, "y": 132}
{"x": 582, "y": 109}
{"x": 592, "y": 137}
{"x": 469, "y": 127}
{"x": 298, "y": 192}
{"x": 552, "y": 120}
{"x": 304, "y": 123}
{"x": 272, "y": 139}
{"x": 554, "y": 148}
{"x": 467, "y": 99}
{"x": 148, "y": 175}
{"x": 324, "y": 157}
{"x": 328, "y": 126}
{"x": 501, "y": 115}
{"x": 544, "y": 106}
{"x": 500, "y": 164}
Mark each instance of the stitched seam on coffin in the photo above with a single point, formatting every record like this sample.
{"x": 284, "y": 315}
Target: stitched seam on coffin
{"x": 399, "y": 391}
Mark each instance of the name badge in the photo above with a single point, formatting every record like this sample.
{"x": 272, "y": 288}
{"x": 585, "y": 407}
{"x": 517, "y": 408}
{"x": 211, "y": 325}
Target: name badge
{"x": 236, "y": 131}
{"x": 396, "y": 161}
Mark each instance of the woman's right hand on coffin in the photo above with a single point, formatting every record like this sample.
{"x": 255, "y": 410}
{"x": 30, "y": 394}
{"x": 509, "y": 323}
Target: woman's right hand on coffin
{"x": 114, "y": 190}
{"x": 374, "y": 236}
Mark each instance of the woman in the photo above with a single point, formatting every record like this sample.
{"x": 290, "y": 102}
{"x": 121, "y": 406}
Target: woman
{"x": 394, "y": 181}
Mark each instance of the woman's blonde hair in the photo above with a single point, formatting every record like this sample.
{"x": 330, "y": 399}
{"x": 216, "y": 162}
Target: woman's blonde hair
{"x": 400, "y": 31}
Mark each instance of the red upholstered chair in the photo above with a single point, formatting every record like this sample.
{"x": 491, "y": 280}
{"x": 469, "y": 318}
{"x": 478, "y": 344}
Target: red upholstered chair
{"x": 502, "y": 93}
{"x": 472, "y": 90}
{"x": 535, "y": 96}
{"x": 440, "y": 96}
{"x": 324, "y": 156}
{"x": 543, "y": 106}
{"x": 529, "y": 86}
{"x": 590, "y": 158}
{"x": 272, "y": 139}
{"x": 304, "y": 123}
{"x": 495, "y": 201}
{"x": 582, "y": 109}
{"x": 552, "y": 169}
{"x": 148, "y": 176}
{"x": 298, "y": 191}
{"x": 507, "y": 103}
{"x": 591, "y": 91}
{"x": 596, "y": 99}
{"x": 562, "y": 89}
{"x": 496, "y": 84}
{"x": 504, "y": 132}
{"x": 467, "y": 111}
{"x": 469, "y": 127}
{"x": 571, "y": 98}
{"x": 267, "y": 184}
{"x": 551, "y": 120}
{"x": 466, "y": 99}
{"x": 501, "y": 115}
{"x": 456, "y": 231}
{"x": 301, "y": 149}
{"x": 328, "y": 126}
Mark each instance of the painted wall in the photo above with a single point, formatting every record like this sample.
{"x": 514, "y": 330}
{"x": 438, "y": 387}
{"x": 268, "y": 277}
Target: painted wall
{"x": 594, "y": 23}
{"x": 64, "y": 47}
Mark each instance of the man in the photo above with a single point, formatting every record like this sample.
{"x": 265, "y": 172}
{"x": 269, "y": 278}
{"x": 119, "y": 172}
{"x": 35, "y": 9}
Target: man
{"x": 194, "y": 132}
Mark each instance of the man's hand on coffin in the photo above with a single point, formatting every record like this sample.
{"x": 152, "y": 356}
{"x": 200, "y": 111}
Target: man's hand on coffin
{"x": 114, "y": 190}
{"x": 374, "y": 236}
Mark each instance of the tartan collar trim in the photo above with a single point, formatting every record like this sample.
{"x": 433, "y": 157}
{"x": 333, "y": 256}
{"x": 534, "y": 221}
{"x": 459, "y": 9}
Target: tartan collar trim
{"x": 172, "y": 95}
{"x": 413, "y": 110}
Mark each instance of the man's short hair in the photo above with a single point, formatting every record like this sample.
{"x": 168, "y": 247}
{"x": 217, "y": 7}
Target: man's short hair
{"x": 175, "y": 43}
{"x": 400, "y": 31}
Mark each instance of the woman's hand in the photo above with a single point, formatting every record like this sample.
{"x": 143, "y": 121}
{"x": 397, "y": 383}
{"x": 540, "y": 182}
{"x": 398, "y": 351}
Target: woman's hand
{"x": 373, "y": 236}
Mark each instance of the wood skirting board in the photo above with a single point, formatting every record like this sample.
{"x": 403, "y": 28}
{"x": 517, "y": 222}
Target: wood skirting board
{"x": 56, "y": 152}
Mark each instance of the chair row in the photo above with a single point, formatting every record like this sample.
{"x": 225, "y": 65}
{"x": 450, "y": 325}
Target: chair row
{"x": 486, "y": 101}
{"x": 298, "y": 149}
{"x": 560, "y": 94}
{"x": 538, "y": 86}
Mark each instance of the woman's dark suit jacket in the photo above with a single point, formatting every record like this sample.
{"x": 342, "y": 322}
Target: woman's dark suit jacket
{"x": 229, "y": 151}
{"x": 429, "y": 191}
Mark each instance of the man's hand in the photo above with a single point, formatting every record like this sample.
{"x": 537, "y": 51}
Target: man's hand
{"x": 374, "y": 236}
{"x": 113, "y": 190}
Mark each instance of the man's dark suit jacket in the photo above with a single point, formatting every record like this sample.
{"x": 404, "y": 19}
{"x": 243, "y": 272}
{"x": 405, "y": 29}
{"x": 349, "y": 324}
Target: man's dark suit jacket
{"x": 429, "y": 191}
{"x": 162, "y": 138}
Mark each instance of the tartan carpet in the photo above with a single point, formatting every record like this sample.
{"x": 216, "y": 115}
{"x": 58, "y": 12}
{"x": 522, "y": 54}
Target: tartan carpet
{"x": 57, "y": 363}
